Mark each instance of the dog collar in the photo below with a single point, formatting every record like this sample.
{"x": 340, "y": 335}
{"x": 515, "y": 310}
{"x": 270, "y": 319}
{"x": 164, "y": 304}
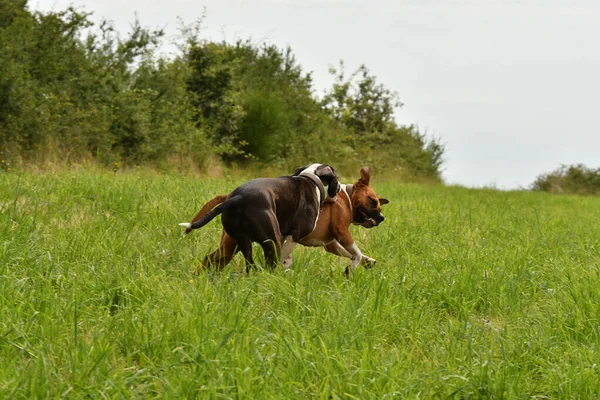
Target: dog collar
{"x": 319, "y": 184}
{"x": 349, "y": 189}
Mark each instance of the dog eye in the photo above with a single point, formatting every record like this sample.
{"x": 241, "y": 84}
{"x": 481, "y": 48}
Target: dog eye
{"x": 373, "y": 202}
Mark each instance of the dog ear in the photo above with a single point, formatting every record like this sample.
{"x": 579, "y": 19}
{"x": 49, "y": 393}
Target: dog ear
{"x": 298, "y": 170}
{"x": 333, "y": 188}
{"x": 325, "y": 173}
{"x": 328, "y": 176}
{"x": 383, "y": 201}
{"x": 365, "y": 175}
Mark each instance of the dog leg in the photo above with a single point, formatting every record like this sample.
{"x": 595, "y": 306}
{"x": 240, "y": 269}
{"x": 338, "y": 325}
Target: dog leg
{"x": 356, "y": 257}
{"x": 268, "y": 235}
{"x": 336, "y": 248}
{"x": 367, "y": 261}
{"x": 271, "y": 249}
{"x": 220, "y": 257}
{"x": 245, "y": 246}
{"x": 287, "y": 262}
{"x": 286, "y": 251}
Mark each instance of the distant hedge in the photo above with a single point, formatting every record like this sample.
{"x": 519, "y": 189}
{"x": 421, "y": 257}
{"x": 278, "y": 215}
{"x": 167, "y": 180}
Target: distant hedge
{"x": 72, "y": 91}
{"x": 572, "y": 179}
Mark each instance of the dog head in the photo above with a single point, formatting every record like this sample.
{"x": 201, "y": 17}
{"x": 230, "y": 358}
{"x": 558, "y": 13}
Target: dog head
{"x": 324, "y": 174}
{"x": 365, "y": 203}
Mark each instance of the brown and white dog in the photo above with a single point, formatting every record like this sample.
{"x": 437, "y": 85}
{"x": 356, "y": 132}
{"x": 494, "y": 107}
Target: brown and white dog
{"x": 356, "y": 204}
{"x": 274, "y": 211}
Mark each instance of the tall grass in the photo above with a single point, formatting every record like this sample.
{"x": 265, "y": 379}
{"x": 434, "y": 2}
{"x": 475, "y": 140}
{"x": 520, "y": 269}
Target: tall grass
{"x": 476, "y": 294}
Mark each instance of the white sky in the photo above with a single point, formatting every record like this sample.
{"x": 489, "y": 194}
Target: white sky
{"x": 511, "y": 87}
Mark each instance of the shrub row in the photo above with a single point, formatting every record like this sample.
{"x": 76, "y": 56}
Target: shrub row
{"x": 71, "y": 91}
{"x": 571, "y": 179}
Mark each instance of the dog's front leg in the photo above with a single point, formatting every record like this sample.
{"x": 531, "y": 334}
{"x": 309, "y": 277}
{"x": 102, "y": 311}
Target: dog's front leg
{"x": 286, "y": 251}
{"x": 336, "y": 248}
{"x": 356, "y": 257}
{"x": 367, "y": 261}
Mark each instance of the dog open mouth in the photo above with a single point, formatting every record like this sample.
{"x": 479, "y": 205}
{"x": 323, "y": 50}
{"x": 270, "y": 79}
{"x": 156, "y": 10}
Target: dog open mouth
{"x": 365, "y": 219}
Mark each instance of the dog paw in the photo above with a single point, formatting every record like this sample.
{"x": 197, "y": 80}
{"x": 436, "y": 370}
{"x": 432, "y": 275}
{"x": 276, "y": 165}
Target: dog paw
{"x": 369, "y": 262}
{"x": 287, "y": 262}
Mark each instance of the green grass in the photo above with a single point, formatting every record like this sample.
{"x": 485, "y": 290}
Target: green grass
{"x": 476, "y": 294}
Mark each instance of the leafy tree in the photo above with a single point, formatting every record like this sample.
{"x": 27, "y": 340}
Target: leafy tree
{"x": 365, "y": 109}
{"x": 103, "y": 96}
{"x": 11, "y": 9}
{"x": 251, "y": 99}
{"x": 71, "y": 90}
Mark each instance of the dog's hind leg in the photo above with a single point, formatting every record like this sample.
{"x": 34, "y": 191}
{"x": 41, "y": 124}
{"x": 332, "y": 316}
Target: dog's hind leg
{"x": 245, "y": 246}
{"x": 222, "y": 256}
{"x": 267, "y": 233}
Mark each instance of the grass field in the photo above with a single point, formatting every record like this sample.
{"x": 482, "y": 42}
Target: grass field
{"x": 476, "y": 294}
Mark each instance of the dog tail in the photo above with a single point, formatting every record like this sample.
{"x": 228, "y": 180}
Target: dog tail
{"x": 212, "y": 203}
{"x": 205, "y": 216}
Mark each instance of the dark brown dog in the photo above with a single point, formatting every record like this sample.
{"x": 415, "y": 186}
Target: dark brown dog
{"x": 355, "y": 204}
{"x": 273, "y": 211}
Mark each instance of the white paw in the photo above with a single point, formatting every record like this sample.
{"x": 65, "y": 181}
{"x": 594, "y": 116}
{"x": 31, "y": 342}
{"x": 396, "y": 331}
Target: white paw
{"x": 287, "y": 262}
{"x": 369, "y": 262}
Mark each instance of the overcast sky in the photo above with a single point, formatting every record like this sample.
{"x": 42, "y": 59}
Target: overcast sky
{"x": 510, "y": 87}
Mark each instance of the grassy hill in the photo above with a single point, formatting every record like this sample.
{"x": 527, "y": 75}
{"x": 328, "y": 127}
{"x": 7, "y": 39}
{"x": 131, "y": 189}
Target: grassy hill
{"x": 476, "y": 294}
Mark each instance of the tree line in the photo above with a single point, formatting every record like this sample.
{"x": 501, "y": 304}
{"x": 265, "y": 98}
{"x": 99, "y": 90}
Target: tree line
{"x": 72, "y": 90}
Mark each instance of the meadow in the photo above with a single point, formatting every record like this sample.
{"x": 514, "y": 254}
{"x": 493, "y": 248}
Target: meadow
{"x": 476, "y": 294}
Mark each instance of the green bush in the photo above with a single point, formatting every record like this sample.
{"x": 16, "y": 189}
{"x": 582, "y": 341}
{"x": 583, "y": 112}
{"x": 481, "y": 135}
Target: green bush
{"x": 72, "y": 91}
{"x": 572, "y": 179}
{"x": 365, "y": 109}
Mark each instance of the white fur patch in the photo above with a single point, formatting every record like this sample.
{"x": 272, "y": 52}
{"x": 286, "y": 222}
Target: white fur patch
{"x": 311, "y": 169}
{"x": 356, "y": 256}
{"x": 185, "y": 224}
{"x": 341, "y": 250}
{"x": 286, "y": 251}
{"x": 319, "y": 199}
